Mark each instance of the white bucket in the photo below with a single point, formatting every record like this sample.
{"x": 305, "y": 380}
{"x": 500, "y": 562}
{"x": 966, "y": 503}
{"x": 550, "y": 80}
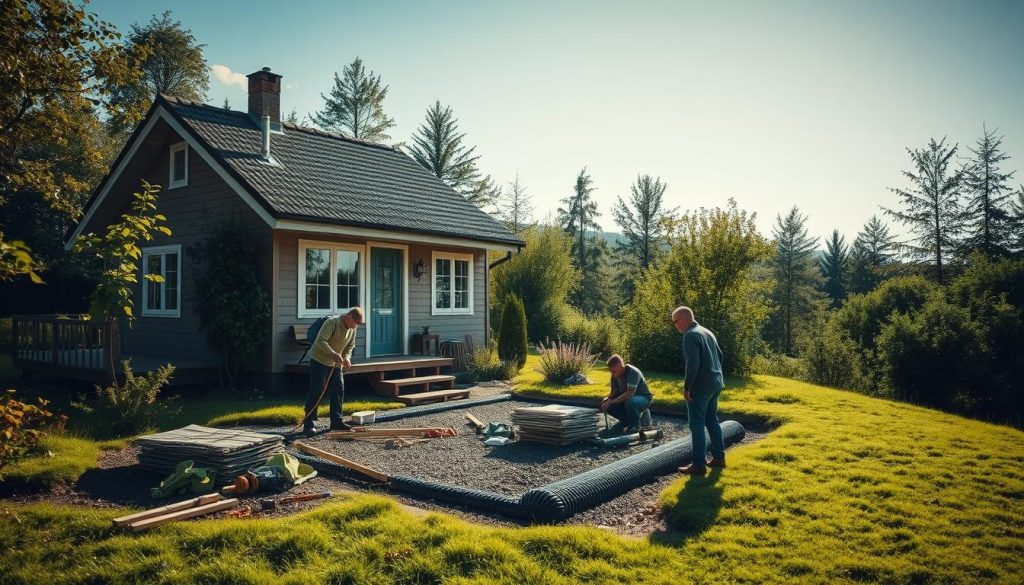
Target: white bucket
{"x": 364, "y": 417}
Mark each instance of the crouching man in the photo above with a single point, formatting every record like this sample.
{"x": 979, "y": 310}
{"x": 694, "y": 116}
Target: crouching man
{"x": 629, "y": 399}
{"x": 332, "y": 347}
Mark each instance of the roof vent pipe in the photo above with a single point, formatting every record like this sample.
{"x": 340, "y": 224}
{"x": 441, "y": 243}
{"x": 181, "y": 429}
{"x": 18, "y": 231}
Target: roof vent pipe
{"x": 266, "y": 137}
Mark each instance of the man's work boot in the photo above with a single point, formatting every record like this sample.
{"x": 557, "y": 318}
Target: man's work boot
{"x": 691, "y": 470}
{"x": 339, "y": 425}
{"x": 716, "y": 462}
{"x": 309, "y": 429}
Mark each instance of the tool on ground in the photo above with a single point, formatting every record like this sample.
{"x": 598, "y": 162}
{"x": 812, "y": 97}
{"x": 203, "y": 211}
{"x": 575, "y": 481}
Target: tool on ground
{"x": 271, "y": 504}
{"x": 280, "y": 472}
{"x": 606, "y": 421}
{"x": 477, "y": 425}
{"x": 176, "y": 507}
{"x": 623, "y": 440}
{"x": 323, "y": 391}
{"x": 399, "y": 442}
{"x": 416, "y": 432}
{"x": 327, "y": 456}
{"x": 200, "y": 506}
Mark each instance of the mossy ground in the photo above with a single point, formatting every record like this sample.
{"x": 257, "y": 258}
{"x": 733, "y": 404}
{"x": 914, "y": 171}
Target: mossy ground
{"x": 846, "y": 489}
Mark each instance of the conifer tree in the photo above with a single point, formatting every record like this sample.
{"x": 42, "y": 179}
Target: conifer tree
{"x": 931, "y": 206}
{"x": 578, "y": 218}
{"x": 642, "y": 220}
{"x": 438, "y": 146}
{"x": 355, "y": 106}
{"x": 834, "y": 268}
{"x": 1017, "y": 211}
{"x": 796, "y": 278}
{"x": 871, "y": 256}
{"x": 516, "y": 207}
{"x": 989, "y": 222}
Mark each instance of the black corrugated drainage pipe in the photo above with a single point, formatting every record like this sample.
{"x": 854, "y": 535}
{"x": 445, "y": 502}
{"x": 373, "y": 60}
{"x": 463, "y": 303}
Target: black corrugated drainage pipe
{"x": 623, "y": 440}
{"x": 562, "y": 499}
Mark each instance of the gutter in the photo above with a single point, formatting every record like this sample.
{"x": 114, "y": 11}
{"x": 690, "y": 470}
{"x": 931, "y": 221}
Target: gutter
{"x": 500, "y": 261}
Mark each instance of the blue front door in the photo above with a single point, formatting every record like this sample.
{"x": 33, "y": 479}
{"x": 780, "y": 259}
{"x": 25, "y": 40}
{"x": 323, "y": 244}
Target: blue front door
{"x": 385, "y": 301}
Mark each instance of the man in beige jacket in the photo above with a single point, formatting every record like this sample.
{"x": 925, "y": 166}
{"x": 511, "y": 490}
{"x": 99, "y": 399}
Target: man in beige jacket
{"x": 333, "y": 346}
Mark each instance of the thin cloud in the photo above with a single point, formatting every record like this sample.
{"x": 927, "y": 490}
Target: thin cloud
{"x": 225, "y": 75}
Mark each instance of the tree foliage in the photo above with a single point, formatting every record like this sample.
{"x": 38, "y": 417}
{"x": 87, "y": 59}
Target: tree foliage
{"x": 438, "y": 147}
{"x": 233, "y": 308}
{"x": 930, "y": 205}
{"x": 171, "y": 62}
{"x": 795, "y": 280}
{"x": 57, "y": 61}
{"x": 512, "y": 343}
{"x": 834, "y": 268}
{"x": 542, "y": 275}
{"x": 989, "y": 223}
{"x": 643, "y": 222}
{"x": 355, "y": 106}
{"x": 578, "y": 217}
{"x": 709, "y": 267}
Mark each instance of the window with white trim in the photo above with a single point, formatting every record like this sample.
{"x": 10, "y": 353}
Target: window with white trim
{"x": 330, "y": 278}
{"x": 162, "y": 299}
{"x": 452, "y": 285}
{"x": 178, "y": 174}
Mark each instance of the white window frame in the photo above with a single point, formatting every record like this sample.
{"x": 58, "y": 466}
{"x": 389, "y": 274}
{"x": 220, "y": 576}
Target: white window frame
{"x": 334, "y": 247}
{"x": 434, "y": 257}
{"x": 160, "y": 251}
{"x": 182, "y": 182}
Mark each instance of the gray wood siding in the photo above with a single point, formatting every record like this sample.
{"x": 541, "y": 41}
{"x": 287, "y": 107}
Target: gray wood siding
{"x": 286, "y": 351}
{"x": 191, "y": 212}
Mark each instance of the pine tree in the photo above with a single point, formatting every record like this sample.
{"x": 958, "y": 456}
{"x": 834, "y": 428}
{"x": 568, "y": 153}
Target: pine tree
{"x": 438, "y": 147}
{"x": 987, "y": 213}
{"x": 796, "y": 278}
{"x": 293, "y": 118}
{"x": 355, "y": 106}
{"x": 227, "y": 105}
{"x": 834, "y": 268}
{"x": 578, "y": 218}
{"x": 931, "y": 205}
{"x": 871, "y": 256}
{"x": 1017, "y": 209}
{"x": 516, "y": 207}
{"x": 642, "y": 220}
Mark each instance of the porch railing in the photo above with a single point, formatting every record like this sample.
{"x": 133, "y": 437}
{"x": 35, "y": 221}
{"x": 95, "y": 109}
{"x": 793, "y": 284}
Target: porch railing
{"x": 65, "y": 344}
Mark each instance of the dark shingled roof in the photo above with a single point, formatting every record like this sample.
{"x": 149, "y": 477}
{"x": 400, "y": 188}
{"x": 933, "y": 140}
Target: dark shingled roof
{"x": 325, "y": 177}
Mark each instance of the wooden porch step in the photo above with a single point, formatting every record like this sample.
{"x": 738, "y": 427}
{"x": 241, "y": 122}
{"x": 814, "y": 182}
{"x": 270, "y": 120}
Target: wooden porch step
{"x": 393, "y": 387}
{"x": 434, "y": 396}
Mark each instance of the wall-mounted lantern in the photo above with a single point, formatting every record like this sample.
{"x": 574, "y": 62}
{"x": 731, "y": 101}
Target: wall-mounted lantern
{"x": 419, "y": 269}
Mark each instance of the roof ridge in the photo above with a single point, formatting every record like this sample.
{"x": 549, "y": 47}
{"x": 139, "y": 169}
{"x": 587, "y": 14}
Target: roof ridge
{"x": 337, "y": 136}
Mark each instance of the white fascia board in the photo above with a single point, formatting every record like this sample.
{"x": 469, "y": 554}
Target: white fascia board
{"x": 161, "y": 113}
{"x": 372, "y": 233}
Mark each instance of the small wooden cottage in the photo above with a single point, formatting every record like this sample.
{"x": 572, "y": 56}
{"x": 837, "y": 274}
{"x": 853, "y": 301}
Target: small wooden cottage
{"x": 338, "y": 222}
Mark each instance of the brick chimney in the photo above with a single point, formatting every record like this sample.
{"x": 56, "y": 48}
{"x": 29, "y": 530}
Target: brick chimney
{"x": 265, "y": 96}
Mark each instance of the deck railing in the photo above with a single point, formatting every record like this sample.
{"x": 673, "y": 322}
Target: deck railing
{"x": 66, "y": 344}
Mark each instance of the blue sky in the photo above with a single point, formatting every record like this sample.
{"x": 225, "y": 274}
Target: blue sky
{"x": 772, "y": 103}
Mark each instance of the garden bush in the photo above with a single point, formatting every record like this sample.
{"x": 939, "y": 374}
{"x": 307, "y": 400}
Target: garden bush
{"x": 485, "y": 366}
{"x": 781, "y": 365}
{"x": 832, "y": 359}
{"x": 602, "y": 334}
{"x": 133, "y": 406}
{"x": 561, "y": 360}
{"x": 22, "y": 426}
{"x": 512, "y": 344}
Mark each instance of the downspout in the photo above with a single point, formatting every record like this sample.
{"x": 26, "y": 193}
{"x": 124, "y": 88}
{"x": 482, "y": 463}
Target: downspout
{"x": 500, "y": 261}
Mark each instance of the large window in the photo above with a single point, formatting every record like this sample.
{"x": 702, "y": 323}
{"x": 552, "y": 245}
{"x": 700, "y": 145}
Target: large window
{"x": 330, "y": 278}
{"x": 452, "y": 284}
{"x": 162, "y": 299}
{"x": 178, "y": 174}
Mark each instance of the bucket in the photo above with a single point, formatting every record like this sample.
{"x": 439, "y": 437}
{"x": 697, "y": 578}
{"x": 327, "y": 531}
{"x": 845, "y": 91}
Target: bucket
{"x": 364, "y": 417}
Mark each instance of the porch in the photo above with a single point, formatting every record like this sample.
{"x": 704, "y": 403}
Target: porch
{"x": 390, "y": 375}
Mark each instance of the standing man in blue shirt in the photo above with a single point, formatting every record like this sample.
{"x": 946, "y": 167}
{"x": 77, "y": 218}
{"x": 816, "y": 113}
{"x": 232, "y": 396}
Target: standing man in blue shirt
{"x": 703, "y": 383}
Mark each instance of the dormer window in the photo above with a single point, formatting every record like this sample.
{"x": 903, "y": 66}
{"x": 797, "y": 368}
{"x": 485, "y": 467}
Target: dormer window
{"x": 179, "y": 165}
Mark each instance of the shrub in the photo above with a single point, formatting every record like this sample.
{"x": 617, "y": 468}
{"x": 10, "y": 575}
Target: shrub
{"x": 541, "y": 275}
{"x": 484, "y": 366}
{"x": 232, "y": 307}
{"x": 780, "y": 365}
{"x": 600, "y": 333}
{"x": 21, "y": 427}
{"x": 561, "y": 360}
{"x": 512, "y": 344}
{"x": 832, "y": 360}
{"x": 132, "y": 407}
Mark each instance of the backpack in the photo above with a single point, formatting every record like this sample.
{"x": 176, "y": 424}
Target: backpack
{"x": 314, "y": 328}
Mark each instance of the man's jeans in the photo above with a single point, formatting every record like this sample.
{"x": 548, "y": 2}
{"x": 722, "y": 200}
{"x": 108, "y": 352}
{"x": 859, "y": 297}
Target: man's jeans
{"x": 630, "y": 411}
{"x": 703, "y": 412}
{"x": 336, "y": 390}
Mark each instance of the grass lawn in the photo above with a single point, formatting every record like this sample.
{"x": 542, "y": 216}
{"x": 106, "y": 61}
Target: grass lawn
{"x": 847, "y": 488}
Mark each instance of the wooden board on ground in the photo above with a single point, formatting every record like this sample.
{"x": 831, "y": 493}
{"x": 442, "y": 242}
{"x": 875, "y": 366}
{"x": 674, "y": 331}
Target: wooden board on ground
{"x": 327, "y": 456}
{"x": 474, "y": 421}
{"x": 364, "y": 433}
{"x": 184, "y": 505}
{"x": 183, "y": 515}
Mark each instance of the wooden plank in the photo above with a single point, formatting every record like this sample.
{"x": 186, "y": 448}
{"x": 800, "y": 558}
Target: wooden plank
{"x": 184, "y": 505}
{"x": 360, "y": 432}
{"x": 436, "y": 395}
{"x": 474, "y": 421}
{"x": 372, "y": 473}
{"x": 417, "y": 381}
{"x": 183, "y": 515}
